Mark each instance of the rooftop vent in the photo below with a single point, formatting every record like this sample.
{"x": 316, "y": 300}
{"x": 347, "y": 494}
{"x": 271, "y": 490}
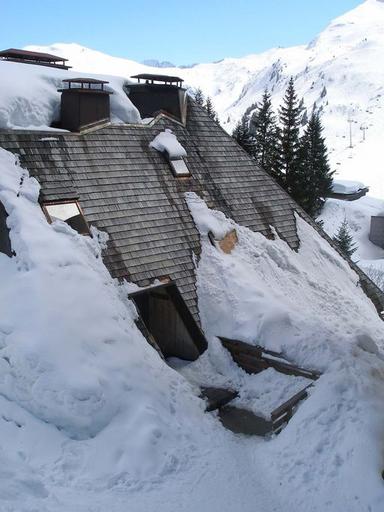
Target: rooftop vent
{"x": 154, "y": 94}
{"x": 84, "y": 104}
{"x": 37, "y": 58}
{"x": 68, "y": 211}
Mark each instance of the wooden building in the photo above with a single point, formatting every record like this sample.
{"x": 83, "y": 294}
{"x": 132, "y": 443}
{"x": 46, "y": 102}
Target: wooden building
{"x": 376, "y": 233}
{"x": 36, "y": 58}
{"x": 124, "y": 187}
{"x": 84, "y": 103}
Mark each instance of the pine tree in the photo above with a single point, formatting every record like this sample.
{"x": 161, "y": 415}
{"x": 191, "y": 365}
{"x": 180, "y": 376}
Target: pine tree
{"x": 312, "y": 181}
{"x": 289, "y": 136}
{"x": 199, "y": 97}
{"x": 243, "y": 136}
{"x": 304, "y": 118}
{"x": 211, "y": 110}
{"x": 263, "y": 127}
{"x": 344, "y": 239}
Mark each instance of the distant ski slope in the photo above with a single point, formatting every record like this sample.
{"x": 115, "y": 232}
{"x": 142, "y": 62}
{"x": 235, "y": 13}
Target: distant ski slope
{"x": 341, "y": 70}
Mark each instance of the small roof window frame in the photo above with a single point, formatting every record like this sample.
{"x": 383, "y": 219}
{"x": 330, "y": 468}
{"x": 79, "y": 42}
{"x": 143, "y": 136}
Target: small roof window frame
{"x": 84, "y": 230}
{"x": 178, "y": 166}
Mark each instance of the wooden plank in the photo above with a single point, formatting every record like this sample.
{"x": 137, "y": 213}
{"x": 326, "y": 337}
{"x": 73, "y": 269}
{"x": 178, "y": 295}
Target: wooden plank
{"x": 250, "y": 364}
{"x": 243, "y": 421}
{"x": 289, "y": 404}
{"x": 237, "y": 345}
{"x": 240, "y": 347}
{"x": 290, "y": 369}
{"x": 217, "y": 397}
{"x": 257, "y": 358}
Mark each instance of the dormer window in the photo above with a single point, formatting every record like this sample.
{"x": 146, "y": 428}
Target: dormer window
{"x": 68, "y": 212}
{"x": 166, "y": 142}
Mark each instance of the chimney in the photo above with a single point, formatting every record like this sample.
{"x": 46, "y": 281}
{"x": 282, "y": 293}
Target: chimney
{"x": 154, "y": 94}
{"x": 84, "y": 104}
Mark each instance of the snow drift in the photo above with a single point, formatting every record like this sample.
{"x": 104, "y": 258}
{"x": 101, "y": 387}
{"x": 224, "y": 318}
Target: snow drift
{"x": 309, "y": 306}
{"x": 29, "y": 97}
{"x": 82, "y": 394}
{"x": 167, "y": 141}
{"x": 91, "y": 416}
{"x": 368, "y": 256}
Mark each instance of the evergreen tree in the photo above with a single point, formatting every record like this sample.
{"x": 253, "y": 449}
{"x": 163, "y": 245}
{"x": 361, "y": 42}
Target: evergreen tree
{"x": 304, "y": 118}
{"x": 243, "y": 136}
{"x": 289, "y": 136}
{"x": 199, "y": 97}
{"x": 266, "y": 149}
{"x": 344, "y": 239}
{"x": 211, "y": 110}
{"x": 312, "y": 181}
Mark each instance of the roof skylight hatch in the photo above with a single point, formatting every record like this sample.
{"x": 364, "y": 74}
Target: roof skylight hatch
{"x": 166, "y": 142}
{"x": 68, "y": 212}
{"x": 179, "y": 167}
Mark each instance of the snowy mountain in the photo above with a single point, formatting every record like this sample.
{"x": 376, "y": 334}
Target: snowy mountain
{"x": 158, "y": 64}
{"x": 339, "y": 71}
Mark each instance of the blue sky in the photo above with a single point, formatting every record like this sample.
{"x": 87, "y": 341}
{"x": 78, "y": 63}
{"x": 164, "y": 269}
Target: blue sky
{"x": 178, "y": 31}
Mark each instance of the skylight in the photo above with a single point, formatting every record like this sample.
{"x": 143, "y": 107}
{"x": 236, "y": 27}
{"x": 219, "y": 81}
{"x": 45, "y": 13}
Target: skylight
{"x": 179, "y": 167}
{"x": 69, "y": 212}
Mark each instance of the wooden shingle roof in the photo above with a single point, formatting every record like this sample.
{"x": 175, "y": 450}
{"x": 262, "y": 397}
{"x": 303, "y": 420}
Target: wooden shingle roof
{"x": 128, "y": 190}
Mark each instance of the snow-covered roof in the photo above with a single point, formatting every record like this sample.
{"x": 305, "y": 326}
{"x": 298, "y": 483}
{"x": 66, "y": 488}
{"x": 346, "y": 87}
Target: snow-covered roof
{"x": 91, "y": 414}
{"x": 347, "y": 186}
{"x": 29, "y": 97}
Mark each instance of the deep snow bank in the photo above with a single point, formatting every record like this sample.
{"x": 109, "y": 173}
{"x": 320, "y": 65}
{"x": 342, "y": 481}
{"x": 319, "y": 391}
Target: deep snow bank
{"x": 92, "y": 418}
{"x": 309, "y": 306}
{"x": 29, "y": 97}
{"x": 83, "y": 396}
{"x": 267, "y": 289}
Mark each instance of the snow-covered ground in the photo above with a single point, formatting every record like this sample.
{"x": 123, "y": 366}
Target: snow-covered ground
{"x": 358, "y": 213}
{"x": 92, "y": 419}
{"x": 308, "y": 306}
{"x": 339, "y": 71}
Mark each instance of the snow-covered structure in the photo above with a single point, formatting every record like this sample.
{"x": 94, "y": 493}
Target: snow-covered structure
{"x": 348, "y": 190}
{"x": 129, "y": 180}
{"x": 90, "y": 414}
{"x": 376, "y": 234}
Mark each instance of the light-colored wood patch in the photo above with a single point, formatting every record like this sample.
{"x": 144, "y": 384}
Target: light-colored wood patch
{"x": 228, "y": 243}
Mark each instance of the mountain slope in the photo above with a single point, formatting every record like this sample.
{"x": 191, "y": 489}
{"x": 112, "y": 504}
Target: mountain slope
{"x": 339, "y": 71}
